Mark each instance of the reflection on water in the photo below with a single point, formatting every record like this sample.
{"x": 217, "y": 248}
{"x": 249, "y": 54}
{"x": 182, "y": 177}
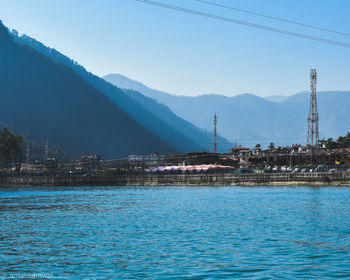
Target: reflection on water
{"x": 176, "y": 232}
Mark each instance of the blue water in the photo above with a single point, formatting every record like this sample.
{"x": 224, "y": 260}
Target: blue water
{"x": 176, "y": 232}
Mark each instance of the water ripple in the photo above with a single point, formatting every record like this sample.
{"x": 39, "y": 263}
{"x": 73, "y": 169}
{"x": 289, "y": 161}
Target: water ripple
{"x": 176, "y": 232}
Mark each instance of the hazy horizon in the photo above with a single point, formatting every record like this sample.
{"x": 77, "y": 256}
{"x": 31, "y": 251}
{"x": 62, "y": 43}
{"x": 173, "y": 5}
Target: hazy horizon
{"x": 217, "y": 93}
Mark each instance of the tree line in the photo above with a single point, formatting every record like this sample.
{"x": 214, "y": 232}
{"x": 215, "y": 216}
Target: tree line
{"x": 341, "y": 142}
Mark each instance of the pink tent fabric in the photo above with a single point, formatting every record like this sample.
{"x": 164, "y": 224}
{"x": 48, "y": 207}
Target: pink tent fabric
{"x": 202, "y": 167}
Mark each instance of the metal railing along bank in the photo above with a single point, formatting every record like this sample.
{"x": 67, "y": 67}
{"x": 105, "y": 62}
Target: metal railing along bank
{"x": 180, "y": 179}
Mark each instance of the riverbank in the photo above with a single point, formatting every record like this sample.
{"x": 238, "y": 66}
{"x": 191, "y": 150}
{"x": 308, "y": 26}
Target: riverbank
{"x": 219, "y": 179}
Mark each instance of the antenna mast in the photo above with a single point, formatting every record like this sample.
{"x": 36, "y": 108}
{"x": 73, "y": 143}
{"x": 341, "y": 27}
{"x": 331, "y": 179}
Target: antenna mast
{"x": 47, "y": 149}
{"x": 312, "y": 133}
{"x": 215, "y": 142}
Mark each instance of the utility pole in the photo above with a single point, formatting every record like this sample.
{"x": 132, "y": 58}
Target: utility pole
{"x": 27, "y": 153}
{"x": 47, "y": 149}
{"x": 215, "y": 142}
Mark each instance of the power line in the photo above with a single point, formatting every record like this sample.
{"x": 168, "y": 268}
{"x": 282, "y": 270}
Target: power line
{"x": 258, "y": 26}
{"x": 274, "y": 18}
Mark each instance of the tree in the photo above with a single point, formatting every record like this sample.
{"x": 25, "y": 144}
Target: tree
{"x": 257, "y": 148}
{"x": 272, "y": 146}
{"x": 10, "y": 150}
{"x": 344, "y": 141}
{"x": 330, "y": 144}
{"x": 341, "y": 142}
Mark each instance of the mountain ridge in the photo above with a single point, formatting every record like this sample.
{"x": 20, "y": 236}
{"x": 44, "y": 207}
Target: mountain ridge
{"x": 49, "y": 100}
{"x": 250, "y": 119}
{"x": 161, "y": 121}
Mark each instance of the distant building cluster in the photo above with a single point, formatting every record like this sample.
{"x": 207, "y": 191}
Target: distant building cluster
{"x": 296, "y": 158}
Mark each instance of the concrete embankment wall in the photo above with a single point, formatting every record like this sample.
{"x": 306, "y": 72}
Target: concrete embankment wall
{"x": 228, "y": 179}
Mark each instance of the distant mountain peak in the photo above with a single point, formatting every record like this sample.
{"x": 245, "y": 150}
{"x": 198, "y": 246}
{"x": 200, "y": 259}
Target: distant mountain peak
{"x": 4, "y": 33}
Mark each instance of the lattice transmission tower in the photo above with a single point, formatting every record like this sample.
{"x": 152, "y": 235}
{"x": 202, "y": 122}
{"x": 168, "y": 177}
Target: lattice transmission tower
{"x": 312, "y": 133}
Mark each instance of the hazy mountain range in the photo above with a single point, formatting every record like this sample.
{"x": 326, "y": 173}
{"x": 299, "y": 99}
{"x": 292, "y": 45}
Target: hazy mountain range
{"x": 81, "y": 112}
{"x": 48, "y": 95}
{"x": 249, "y": 119}
{"x": 276, "y": 98}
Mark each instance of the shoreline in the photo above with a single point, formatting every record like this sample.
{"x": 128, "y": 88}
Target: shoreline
{"x": 219, "y": 179}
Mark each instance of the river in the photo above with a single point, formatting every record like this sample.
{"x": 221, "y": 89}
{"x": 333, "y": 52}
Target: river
{"x": 175, "y": 232}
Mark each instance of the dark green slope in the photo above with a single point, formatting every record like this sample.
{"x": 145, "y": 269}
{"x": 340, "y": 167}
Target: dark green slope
{"x": 145, "y": 116}
{"x": 160, "y": 120}
{"x": 48, "y": 99}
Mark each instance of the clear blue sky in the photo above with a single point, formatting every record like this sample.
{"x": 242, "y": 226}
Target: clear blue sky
{"x": 191, "y": 55}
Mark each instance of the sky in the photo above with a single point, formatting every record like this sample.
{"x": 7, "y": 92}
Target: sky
{"x": 191, "y": 55}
